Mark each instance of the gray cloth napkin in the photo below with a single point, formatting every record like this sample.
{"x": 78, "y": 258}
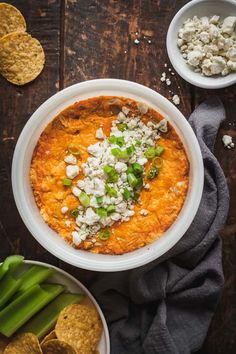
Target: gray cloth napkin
{"x": 166, "y": 306}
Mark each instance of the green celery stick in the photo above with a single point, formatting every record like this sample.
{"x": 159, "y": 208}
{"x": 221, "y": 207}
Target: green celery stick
{"x": 10, "y": 263}
{"x": 8, "y": 287}
{"x": 18, "y": 312}
{"x": 45, "y": 320}
{"x": 34, "y": 275}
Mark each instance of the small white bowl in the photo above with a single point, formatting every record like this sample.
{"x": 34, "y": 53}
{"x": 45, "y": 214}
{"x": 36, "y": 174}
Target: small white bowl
{"x": 25, "y": 201}
{"x": 73, "y": 285}
{"x": 199, "y": 8}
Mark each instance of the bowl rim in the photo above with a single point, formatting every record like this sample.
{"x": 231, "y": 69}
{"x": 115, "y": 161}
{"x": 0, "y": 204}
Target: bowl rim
{"x": 107, "y": 263}
{"x": 83, "y": 288}
{"x": 169, "y": 45}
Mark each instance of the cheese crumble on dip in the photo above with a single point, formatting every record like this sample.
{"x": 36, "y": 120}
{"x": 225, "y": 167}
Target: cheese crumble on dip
{"x": 109, "y": 175}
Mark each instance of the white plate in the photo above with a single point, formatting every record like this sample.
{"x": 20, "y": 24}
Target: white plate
{"x": 74, "y": 286}
{"x": 25, "y": 201}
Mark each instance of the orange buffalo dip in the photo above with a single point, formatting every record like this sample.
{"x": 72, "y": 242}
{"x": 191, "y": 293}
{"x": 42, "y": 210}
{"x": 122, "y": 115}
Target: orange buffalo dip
{"x": 154, "y": 206}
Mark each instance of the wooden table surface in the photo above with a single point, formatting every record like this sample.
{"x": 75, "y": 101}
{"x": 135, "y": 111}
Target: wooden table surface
{"x": 87, "y": 39}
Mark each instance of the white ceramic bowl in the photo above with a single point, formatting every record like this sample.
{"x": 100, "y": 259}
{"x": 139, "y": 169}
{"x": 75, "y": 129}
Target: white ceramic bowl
{"x": 24, "y": 198}
{"x": 73, "y": 285}
{"x": 199, "y": 8}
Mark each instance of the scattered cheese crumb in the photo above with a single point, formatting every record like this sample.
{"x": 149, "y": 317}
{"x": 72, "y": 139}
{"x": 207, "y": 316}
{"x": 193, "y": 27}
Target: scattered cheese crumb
{"x": 71, "y": 159}
{"x": 163, "y": 77}
{"x": 72, "y": 171}
{"x": 176, "y": 100}
{"x": 64, "y": 209}
{"x": 168, "y": 82}
{"x": 99, "y": 134}
{"x": 136, "y": 41}
{"x": 228, "y": 141}
{"x": 144, "y": 212}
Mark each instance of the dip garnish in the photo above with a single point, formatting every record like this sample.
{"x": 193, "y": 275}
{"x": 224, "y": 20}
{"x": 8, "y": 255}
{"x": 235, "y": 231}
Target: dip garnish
{"x": 114, "y": 174}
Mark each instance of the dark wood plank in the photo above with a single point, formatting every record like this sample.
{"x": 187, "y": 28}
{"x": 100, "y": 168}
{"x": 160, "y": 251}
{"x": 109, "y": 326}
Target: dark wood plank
{"x": 99, "y": 42}
{"x": 17, "y": 105}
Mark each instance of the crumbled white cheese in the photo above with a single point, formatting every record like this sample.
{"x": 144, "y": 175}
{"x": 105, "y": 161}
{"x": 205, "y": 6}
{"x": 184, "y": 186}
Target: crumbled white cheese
{"x": 147, "y": 186}
{"x": 99, "y": 134}
{"x": 209, "y": 45}
{"x": 64, "y": 209}
{"x": 176, "y": 100}
{"x": 136, "y": 41}
{"x": 76, "y": 238}
{"x": 71, "y": 159}
{"x": 72, "y": 171}
{"x": 91, "y": 218}
{"x": 163, "y": 77}
{"x": 168, "y": 82}
{"x": 228, "y": 141}
{"x": 144, "y": 212}
{"x": 76, "y": 191}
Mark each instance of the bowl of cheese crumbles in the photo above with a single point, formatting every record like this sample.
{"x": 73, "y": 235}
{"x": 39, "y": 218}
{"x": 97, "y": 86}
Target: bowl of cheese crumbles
{"x": 201, "y": 43}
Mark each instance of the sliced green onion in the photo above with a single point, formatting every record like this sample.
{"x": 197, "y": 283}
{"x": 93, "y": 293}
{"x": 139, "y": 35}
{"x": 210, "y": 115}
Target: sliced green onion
{"x": 159, "y": 150}
{"x": 102, "y": 212}
{"x": 111, "y": 191}
{"x": 10, "y": 264}
{"x": 112, "y": 139}
{"x": 74, "y": 212}
{"x": 118, "y": 140}
{"x": 104, "y": 234}
{"x": 130, "y": 149}
{"x": 129, "y": 170}
{"x": 73, "y": 149}
{"x": 45, "y": 320}
{"x": 120, "y": 154}
{"x": 84, "y": 199}
{"x": 150, "y": 153}
{"x": 136, "y": 196}
{"x": 111, "y": 209}
{"x": 153, "y": 172}
{"x": 132, "y": 180}
{"x": 111, "y": 173}
{"x": 122, "y": 126}
{"x": 139, "y": 183}
{"x": 99, "y": 200}
{"x": 158, "y": 162}
{"x": 138, "y": 143}
{"x": 67, "y": 182}
{"x": 126, "y": 194}
{"x": 137, "y": 168}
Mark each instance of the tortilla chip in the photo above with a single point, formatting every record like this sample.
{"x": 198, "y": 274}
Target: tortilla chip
{"x": 3, "y": 343}
{"x": 80, "y": 326}
{"x": 49, "y": 336}
{"x": 24, "y": 343}
{"x": 56, "y": 346}
{"x": 11, "y": 20}
{"x": 21, "y": 57}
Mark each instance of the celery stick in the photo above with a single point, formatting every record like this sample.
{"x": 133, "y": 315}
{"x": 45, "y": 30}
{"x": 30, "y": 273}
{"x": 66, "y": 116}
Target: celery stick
{"x": 10, "y": 263}
{"x": 34, "y": 275}
{"x": 45, "y": 320}
{"x": 8, "y": 287}
{"x": 18, "y": 312}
